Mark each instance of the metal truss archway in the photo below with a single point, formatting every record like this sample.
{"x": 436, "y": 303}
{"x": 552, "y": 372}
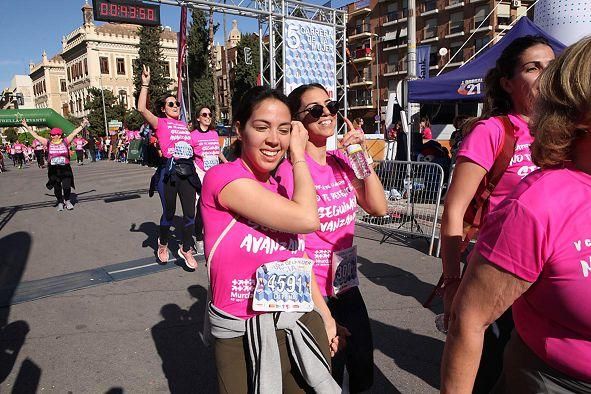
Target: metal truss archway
{"x": 271, "y": 15}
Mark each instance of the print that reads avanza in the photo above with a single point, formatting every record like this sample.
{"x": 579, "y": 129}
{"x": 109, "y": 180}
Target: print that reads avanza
{"x": 267, "y": 245}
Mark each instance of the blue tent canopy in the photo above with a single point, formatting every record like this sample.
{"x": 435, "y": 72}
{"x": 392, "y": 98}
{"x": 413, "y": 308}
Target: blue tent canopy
{"x": 467, "y": 82}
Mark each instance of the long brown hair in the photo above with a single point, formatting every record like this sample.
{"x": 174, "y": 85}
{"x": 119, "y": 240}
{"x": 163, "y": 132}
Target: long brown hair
{"x": 497, "y": 101}
{"x": 563, "y": 107}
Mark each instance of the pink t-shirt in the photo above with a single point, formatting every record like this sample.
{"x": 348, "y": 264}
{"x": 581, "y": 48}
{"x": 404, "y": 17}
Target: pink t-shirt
{"x": 79, "y": 143}
{"x": 542, "y": 234}
{"x": 174, "y": 138}
{"x": 58, "y": 154}
{"x": 37, "y": 145}
{"x": 483, "y": 144}
{"x": 207, "y": 149}
{"x": 244, "y": 248}
{"x": 18, "y": 147}
{"x": 337, "y": 205}
{"x": 427, "y": 133}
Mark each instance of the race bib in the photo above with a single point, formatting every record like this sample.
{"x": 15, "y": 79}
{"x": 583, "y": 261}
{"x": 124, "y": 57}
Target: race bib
{"x": 344, "y": 270}
{"x": 58, "y": 161}
{"x": 210, "y": 161}
{"x": 284, "y": 286}
{"x": 182, "y": 150}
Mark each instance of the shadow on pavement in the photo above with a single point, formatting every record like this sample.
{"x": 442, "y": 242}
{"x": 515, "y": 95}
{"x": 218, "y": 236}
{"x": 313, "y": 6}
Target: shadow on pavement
{"x": 13, "y": 259}
{"x": 417, "y": 354}
{"x": 188, "y": 365}
{"x": 392, "y": 237}
{"x": 398, "y": 281}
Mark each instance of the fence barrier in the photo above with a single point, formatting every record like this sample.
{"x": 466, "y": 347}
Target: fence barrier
{"x": 413, "y": 190}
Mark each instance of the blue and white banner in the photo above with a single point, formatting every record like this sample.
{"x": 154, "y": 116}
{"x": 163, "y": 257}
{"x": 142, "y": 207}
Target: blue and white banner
{"x": 423, "y": 55}
{"x": 310, "y": 55}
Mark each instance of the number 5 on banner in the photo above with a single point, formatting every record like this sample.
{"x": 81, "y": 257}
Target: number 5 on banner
{"x": 293, "y": 39}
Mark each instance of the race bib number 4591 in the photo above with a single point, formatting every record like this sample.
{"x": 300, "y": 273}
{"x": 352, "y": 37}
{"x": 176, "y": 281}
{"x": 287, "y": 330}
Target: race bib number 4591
{"x": 284, "y": 286}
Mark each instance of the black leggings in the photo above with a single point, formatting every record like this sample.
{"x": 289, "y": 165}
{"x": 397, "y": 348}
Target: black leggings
{"x": 198, "y": 222}
{"x": 40, "y": 159}
{"x": 168, "y": 192}
{"x": 66, "y": 185}
{"x": 79, "y": 156}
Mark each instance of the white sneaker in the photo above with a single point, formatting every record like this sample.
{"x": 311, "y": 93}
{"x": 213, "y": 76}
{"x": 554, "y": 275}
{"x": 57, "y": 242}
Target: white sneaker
{"x": 60, "y": 207}
{"x": 188, "y": 258}
{"x": 69, "y": 205}
{"x": 199, "y": 250}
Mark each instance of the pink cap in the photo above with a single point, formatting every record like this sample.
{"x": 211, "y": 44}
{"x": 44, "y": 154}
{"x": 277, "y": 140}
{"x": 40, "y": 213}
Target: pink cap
{"x": 56, "y": 131}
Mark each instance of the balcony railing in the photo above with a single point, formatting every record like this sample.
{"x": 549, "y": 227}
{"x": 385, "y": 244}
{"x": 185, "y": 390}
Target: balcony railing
{"x": 361, "y": 53}
{"x": 396, "y": 15}
{"x": 455, "y": 27}
{"x": 358, "y": 30}
{"x": 360, "y": 102}
{"x": 396, "y": 68}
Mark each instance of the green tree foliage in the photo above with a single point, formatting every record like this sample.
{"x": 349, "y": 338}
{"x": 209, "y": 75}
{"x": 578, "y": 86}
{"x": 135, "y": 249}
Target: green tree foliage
{"x": 150, "y": 55}
{"x": 245, "y": 75}
{"x": 133, "y": 119}
{"x": 11, "y": 134}
{"x": 201, "y": 83}
{"x": 113, "y": 108}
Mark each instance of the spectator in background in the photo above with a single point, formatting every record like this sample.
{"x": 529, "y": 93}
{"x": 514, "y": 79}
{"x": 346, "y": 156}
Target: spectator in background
{"x": 358, "y": 124}
{"x": 455, "y": 141}
{"x": 425, "y": 127}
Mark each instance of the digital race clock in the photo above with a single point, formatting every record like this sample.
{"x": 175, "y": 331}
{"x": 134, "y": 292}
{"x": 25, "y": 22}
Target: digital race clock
{"x": 127, "y": 11}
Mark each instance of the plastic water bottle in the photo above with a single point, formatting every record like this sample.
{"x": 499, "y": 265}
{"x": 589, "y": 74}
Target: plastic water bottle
{"x": 439, "y": 323}
{"x": 358, "y": 161}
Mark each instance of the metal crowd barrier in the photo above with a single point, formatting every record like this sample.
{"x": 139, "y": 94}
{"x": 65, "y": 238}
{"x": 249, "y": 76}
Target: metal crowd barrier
{"x": 413, "y": 190}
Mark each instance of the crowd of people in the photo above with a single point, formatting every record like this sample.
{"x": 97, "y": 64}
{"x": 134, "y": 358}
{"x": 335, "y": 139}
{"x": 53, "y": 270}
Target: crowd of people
{"x": 279, "y": 220}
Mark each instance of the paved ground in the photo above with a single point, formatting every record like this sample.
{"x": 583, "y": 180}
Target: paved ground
{"x": 141, "y": 334}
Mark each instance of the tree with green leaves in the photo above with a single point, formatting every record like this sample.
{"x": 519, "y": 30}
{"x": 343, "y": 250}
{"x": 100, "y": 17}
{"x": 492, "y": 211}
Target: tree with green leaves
{"x": 11, "y": 134}
{"x": 113, "y": 108}
{"x": 150, "y": 55}
{"x": 245, "y": 75}
{"x": 200, "y": 80}
{"x": 133, "y": 119}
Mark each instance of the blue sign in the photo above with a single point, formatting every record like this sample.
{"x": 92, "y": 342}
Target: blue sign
{"x": 423, "y": 55}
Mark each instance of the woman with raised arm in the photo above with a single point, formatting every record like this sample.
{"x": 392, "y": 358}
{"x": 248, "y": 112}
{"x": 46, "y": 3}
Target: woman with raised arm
{"x": 176, "y": 174}
{"x": 502, "y": 133}
{"x": 268, "y": 339}
{"x": 338, "y": 191}
{"x": 534, "y": 254}
{"x": 59, "y": 171}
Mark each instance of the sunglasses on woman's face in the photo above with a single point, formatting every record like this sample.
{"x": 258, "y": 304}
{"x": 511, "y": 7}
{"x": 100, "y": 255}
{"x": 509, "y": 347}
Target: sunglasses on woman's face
{"x": 317, "y": 110}
{"x": 205, "y": 115}
{"x": 173, "y": 104}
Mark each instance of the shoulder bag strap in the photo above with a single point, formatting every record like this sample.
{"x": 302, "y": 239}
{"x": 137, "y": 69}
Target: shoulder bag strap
{"x": 217, "y": 242}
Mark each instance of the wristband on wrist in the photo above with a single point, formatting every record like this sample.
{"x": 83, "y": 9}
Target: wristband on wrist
{"x": 145, "y": 86}
{"x": 298, "y": 161}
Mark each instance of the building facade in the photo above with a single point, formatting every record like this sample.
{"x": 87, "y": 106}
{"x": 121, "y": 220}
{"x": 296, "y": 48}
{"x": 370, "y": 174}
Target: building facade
{"x": 226, "y": 58}
{"x": 377, "y": 35}
{"x": 49, "y": 83}
{"x": 19, "y": 94}
{"x": 97, "y": 56}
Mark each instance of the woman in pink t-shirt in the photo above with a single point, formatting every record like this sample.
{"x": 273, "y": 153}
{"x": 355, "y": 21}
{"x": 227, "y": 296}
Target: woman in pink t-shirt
{"x": 509, "y": 92}
{"x": 251, "y": 232}
{"x": 176, "y": 175}
{"x": 59, "y": 171}
{"x": 207, "y": 154}
{"x": 535, "y": 254}
{"x": 338, "y": 192}
{"x": 79, "y": 144}
{"x": 426, "y": 132}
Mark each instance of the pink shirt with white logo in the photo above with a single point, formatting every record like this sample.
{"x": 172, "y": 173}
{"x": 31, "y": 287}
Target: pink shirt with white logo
{"x": 244, "y": 248}
{"x": 79, "y": 142}
{"x": 37, "y": 145}
{"x": 337, "y": 205}
{"x": 207, "y": 149}
{"x": 18, "y": 147}
{"x": 173, "y": 136}
{"x": 58, "y": 154}
{"x": 483, "y": 144}
{"x": 542, "y": 234}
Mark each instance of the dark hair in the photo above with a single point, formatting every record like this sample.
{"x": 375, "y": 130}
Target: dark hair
{"x": 426, "y": 121}
{"x": 295, "y": 97}
{"x": 161, "y": 102}
{"x": 252, "y": 98}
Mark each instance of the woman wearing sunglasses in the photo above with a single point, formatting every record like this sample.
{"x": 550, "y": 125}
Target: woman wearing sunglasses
{"x": 207, "y": 154}
{"x": 338, "y": 192}
{"x": 59, "y": 171}
{"x": 176, "y": 174}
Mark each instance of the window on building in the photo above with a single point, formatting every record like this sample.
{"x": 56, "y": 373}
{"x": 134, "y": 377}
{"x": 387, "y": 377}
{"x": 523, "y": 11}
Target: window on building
{"x": 85, "y": 67}
{"x": 135, "y": 66}
{"x": 433, "y": 56}
{"x": 430, "y": 29}
{"x": 44, "y": 87}
{"x": 479, "y": 43}
{"x": 454, "y": 47}
{"x": 392, "y": 65}
{"x": 166, "y": 68}
{"x": 392, "y": 12}
{"x": 454, "y": 2}
{"x": 63, "y": 85}
{"x": 71, "y": 106}
{"x": 456, "y": 22}
{"x": 392, "y": 85}
{"x": 104, "y": 64}
{"x": 430, "y": 5}
{"x": 120, "y": 66}
{"x": 504, "y": 14}
{"x": 123, "y": 97}
{"x": 481, "y": 14}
